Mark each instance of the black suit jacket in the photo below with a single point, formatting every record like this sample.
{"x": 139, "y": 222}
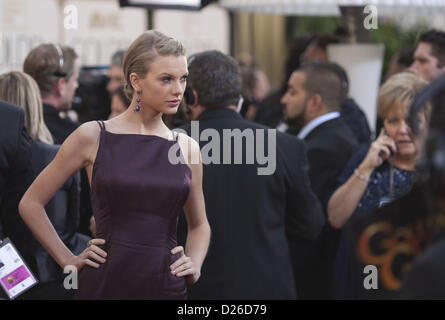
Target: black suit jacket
{"x": 355, "y": 119}
{"x": 60, "y": 128}
{"x": 62, "y": 211}
{"x": 16, "y": 175}
{"x": 329, "y": 148}
{"x": 261, "y": 224}
{"x": 270, "y": 109}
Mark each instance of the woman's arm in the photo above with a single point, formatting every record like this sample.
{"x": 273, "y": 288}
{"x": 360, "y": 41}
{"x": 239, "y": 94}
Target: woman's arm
{"x": 75, "y": 153}
{"x": 346, "y": 198}
{"x": 198, "y": 236}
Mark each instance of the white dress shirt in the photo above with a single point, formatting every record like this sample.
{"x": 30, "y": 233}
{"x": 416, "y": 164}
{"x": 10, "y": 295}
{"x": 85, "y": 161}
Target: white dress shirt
{"x": 316, "y": 122}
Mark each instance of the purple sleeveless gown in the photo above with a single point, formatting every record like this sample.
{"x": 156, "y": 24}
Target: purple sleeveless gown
{"x": 137, "y": 195}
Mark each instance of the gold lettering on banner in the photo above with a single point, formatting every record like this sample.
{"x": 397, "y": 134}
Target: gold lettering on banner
{"x": 100, "y": 21}
{"x": 380, "y": 244}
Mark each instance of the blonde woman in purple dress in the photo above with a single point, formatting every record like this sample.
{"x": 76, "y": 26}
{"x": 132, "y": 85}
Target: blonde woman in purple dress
{"x": 137, "y": 193}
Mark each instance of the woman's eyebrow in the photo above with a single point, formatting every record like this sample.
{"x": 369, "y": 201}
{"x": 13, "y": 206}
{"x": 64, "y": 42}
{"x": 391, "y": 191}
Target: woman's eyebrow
{"x": 172, "y": 76}
{"x": 165, "y": 74}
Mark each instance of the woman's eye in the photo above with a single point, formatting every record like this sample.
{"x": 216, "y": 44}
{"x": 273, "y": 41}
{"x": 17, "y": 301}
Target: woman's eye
{"x": 183, "y": 79}
{"x": 393, "y": 121}
{"x": 166, "y": 80}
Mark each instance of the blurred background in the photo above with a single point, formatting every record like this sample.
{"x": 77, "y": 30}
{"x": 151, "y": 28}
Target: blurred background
{"x": 259, "y": 32}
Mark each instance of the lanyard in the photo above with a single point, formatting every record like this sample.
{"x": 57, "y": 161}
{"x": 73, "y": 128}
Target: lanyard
{"x": 391, "y": 182}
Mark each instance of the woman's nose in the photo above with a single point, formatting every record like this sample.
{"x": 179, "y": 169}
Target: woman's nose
{"x": 404, "y": 127}
{"x": 178, "y": 88}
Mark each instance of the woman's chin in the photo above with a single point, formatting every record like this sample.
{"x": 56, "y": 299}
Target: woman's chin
{"x": 170, "y": 110}
{"x": 408, "y": 150}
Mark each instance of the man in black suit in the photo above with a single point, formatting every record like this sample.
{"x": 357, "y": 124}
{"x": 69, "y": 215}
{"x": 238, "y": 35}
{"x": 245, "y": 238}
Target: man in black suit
{"x": 262, "y": 212}
{"x": 56, "y": 70}
{"x": 350, "y": 112}
{"x": 15, "y": 177}
{"x": 313, "y": 101}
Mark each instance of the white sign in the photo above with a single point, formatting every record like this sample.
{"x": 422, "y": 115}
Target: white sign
{"x": 96, "y": 29}
{"x": 363, "y": 63}
{"x": 103, "y": 28}
{"x": 208, "y": 29}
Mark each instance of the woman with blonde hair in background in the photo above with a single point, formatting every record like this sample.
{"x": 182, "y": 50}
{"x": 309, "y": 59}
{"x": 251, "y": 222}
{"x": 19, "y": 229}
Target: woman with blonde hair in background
{"x": 63, "y": 209}
{"x": 377, "y": 175}
{"x": 384, "y": 171}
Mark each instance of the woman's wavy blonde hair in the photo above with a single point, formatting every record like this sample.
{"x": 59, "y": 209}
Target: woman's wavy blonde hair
{"x": 21, "y": 89}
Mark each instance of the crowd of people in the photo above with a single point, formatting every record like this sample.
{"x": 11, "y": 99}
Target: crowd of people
{"x": 105, "y": 197}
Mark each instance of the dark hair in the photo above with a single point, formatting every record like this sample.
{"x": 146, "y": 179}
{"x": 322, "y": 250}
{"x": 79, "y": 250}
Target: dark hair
{"x": 120, "y": 92}
{"x": 323, "y": 40}
{"x": 249, "y": 80}
{"x": 406, "y": 57}
{"x": 43, "y": 63}
{"x": 343, "y": 75}
{"x": 296, "y": 49}
{"x": 432, "y": 163}
{"x": 216, "y": 78}
{"x": 437, "y": 41}
{"x": 323, "y": 79}
{"x": 438, "y": 115}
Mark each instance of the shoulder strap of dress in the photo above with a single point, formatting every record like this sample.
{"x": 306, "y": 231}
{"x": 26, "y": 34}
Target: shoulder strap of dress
{"x": 101, "y": 125}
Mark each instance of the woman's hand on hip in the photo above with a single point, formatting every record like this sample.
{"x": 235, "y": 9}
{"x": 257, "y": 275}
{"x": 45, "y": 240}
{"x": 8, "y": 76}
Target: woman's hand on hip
{"x": 91, "y": 256}
{"x": 184, "y": 266}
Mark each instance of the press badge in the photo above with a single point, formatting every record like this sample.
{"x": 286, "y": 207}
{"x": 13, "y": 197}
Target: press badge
{"x": 15, "y": 276}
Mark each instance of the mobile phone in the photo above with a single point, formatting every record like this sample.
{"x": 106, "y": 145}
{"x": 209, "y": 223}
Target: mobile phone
{"x": 391, "y": 152}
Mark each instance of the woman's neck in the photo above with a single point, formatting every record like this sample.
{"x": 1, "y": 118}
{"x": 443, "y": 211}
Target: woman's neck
{"x": 404, "y": 163}
{"x": 145, "y": 121}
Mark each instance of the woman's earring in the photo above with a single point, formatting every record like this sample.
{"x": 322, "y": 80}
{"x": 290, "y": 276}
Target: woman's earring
{"x": 138, "y": 102}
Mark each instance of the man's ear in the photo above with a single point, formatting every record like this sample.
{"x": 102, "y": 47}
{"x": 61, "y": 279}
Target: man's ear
{"x": 196, "y": 108}
{"x": 60, "y": 86}
{"x": 195, "y": 96}
{"x": 192, "y": 101}
{"x": 316, "y": 103}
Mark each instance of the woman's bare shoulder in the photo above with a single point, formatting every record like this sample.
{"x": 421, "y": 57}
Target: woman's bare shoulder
{"x": 190, "y": 148}
{"x": 83, "y": 141}
{"x": 87, "y": 133}
{"x": 188, "y": 140}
